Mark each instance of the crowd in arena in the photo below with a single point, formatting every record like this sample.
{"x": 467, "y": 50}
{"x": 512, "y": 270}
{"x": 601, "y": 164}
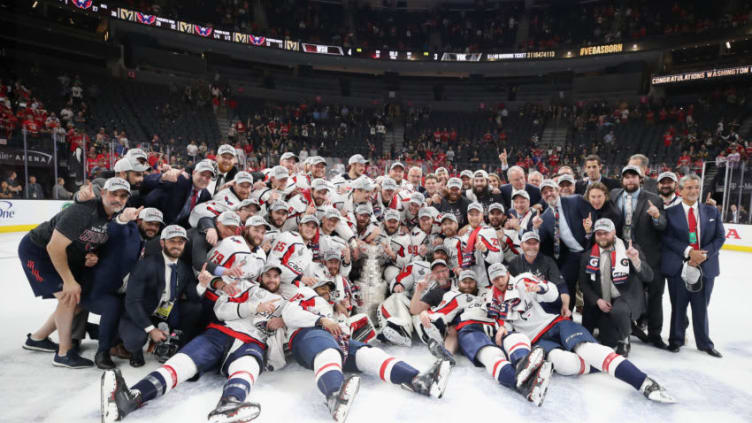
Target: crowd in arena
{"x": 483, "y": 26}
{"x": 215, "y": 265}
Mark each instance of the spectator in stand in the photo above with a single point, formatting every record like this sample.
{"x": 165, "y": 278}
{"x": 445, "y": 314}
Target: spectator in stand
{"x": 13, "y": 185}
{"x": 736, "y": 214}
{"x": 59, "y": 192}
{"x": 5, "y": 191}
{"x": 33, "y": 189}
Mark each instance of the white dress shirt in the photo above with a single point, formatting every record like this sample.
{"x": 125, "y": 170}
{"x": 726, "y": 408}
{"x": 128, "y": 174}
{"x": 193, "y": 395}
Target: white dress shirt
{"x": 696, "y": 211}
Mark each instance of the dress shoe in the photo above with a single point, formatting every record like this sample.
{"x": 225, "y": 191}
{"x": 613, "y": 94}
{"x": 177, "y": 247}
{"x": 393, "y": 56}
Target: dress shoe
{"x": 656, "y": 341}
{"x": 119, "y": 351}
{"x": 137, "y": 359}
{"x": 713, "y": 352}
{"x": 103, "y": 361}
{"x": 674, "y": 348}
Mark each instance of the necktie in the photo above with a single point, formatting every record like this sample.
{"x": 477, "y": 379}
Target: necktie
{"x": 194, "y": 197}
{"x": 557, "y": 237}
{"x": 173, "y": 281}
{"x": 605, "y": 269}
{"x": 694, "y": 241}
{"x": 628, "y": 217}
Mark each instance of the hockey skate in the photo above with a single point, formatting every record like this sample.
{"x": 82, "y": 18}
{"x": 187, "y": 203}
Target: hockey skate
{"x": 230, "y": 410}
{"x": 396, "y": 335}
{"x": 117, "y": 399}
{"x": 432, "y": 382}
{"x": 528, "y": 365}
{"x": 535, "y": 388}
{"x": 655, "y": 392}
{"x": 438, "y": 350}
{"x": 339, "y": 402}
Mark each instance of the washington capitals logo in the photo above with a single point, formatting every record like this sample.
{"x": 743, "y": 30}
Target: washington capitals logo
{"x": 203, "y": 31}
{"x": 146, "y": 19}
{"x": 82, "y": 4}
{"x": 256, "y": 41}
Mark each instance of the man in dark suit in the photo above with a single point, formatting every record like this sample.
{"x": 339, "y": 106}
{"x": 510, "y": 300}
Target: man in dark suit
{"x": 516, "y": 177}
{"x": 611, "y": 278}
{"x": 644, "y": 223}
{"x": 153, "y": 295}
{"x": 648, "y": 184}
{"x": 694, "y": 235}
{"x": 562, "y": 234}
{"x": 176, "y": 193}
{"x": 593, "y": 166}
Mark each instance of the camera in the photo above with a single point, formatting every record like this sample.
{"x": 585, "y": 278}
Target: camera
{"x": 167, "y": 348}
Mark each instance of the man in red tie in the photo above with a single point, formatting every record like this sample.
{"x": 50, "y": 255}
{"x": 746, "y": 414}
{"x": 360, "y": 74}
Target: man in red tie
{"x": 176, "y": 193}
{"x": 694, "y": 235}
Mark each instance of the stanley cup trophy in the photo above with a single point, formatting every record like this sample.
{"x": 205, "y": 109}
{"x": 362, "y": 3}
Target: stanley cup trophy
{"x": 371, "y": 285}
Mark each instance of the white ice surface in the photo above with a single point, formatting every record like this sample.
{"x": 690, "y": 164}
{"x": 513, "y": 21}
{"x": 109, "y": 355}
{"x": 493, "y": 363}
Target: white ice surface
{"x": 708, "y": 389}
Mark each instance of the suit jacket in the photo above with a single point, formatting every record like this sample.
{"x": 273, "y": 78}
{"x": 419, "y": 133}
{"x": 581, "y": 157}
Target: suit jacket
{"x": 646, "y": 231}
{"x": 532, "y": 190}
{"x": 147, "y": 283}
{"x": 650, "y": 185}
{"x": 676, "y": 239}
{"x": 116, "y": 259}
{"x": 170, "y": 197}
{"x": 574, "y": 209}
{"x": 630, "y": 290}
{"x": 581, "y": 186}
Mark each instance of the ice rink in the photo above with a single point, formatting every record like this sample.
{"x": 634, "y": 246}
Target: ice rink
{"x": 707, "y": 389}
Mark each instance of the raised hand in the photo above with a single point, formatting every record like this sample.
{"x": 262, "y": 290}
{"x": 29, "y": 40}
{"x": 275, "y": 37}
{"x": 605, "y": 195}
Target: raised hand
{"x": 130, "y": 214}
{"x": 537, "y": 221}
{"x": 503, "y": 156}
{"x": 85, "y": 193}
{"x": 632, "y": 253}
{"x": 653, "y": 211}
{"x": 587, "y": 223}
{"x": 204, "y": 277}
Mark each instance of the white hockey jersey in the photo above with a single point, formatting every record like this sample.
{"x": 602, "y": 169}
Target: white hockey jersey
{"x": 462, "y": 310}
{"x": 479, "y": 261}
{"x": 211, "y": 208}
{"x": 411, "y": 274}
{"x": 290, "y": 252}
{"x": 521, "y": 310}
{"x": 400, "y": 245}
{"x": 235, "y": 250}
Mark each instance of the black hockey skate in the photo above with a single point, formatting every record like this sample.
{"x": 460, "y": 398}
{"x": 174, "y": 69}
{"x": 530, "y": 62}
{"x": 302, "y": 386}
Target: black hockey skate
{"x": 339, "y": 402}
{"x": 528, "y": 366}
{"x": 438, "y": 350}
{"x": 117, "y": 399}
{"x": 433, "y": 382}
{"x": 655, "y": 392}
{"x": 230, "y": 410}
{"x": 536, "y": 386}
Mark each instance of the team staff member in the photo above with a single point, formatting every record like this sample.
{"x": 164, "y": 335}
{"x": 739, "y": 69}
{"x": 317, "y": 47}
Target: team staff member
{"x": 54, "y": 255}
{"x": 155, "y": 287}
{"x": 693, "y": 237}
{"x": 176, "y": 194}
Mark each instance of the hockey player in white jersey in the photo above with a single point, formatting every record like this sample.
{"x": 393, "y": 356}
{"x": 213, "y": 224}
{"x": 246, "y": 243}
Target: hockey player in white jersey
{"x": 410, "y": 213}
{"x": 425, "y": 235}
{"x": 386, "y": 198}
{"x": 238, "y": 346}
{"x": 365, "y": 229}
{"x": 276, "y": 216}
{"x": 238, "y": 189}
{"x": 394, "y": 316}
{"x": 362, "y": 188}
{"x": 508, "y": 357}
{"x": 480, "y": 245}
{"x": 308, "y": 201}
{"x": 569, "y": 346}
{"x": 452, "y": 241}
{"x": 292, "y": 252}
{"x": 335, "y": 234}
{"x": 395, "y": 245}
{"x": 320, "y": 343}
{"x": 278, "y": 177}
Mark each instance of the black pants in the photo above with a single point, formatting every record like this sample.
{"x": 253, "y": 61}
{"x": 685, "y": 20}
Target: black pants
{"x": 186, "y": 316}
{"x": 110, "y": 309}
{"x": 654, "y": 312}
{"x": 615, "y": 325}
